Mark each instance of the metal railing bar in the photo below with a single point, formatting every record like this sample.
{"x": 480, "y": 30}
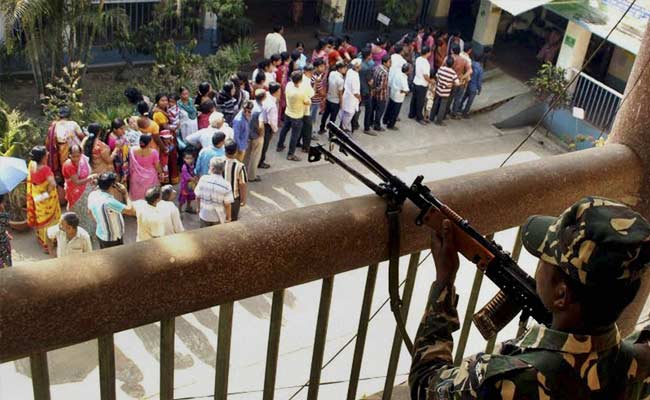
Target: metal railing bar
{"x": 222, "y": 367}
{"x": 167, "y": 332}
{"x": 272, "y": 350}
{"x": 40, "y": 376}
{"x": 362, "y": 331}
{"x": 397, "y": 338}
{"x": 320, "y": 337}
{"x": 489, "y": 346}
{"x": 598, "y": 83}
{"x": 106, "y": 353}
{"x": 579, "y": 92}
{"x": 599, "y": 100}
{"x": 469, "y": 313}
{"x": 589, "y": 102}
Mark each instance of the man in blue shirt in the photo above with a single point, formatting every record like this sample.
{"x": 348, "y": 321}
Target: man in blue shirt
{"x": 474, "y": 86}
{"x": 241, "y": 128}
{"x": 365, "y": 77}
{"x": 208, "y": 153}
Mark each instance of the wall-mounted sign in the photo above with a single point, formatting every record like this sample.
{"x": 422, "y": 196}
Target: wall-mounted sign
{"x": 383, "y": 19}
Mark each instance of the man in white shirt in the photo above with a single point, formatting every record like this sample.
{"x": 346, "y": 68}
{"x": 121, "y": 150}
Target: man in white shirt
{"x": 150, "y": 224}
{"x": 274, "y": 42}
{"x": 203, "y": 137}
{"x": 398, "y": 88}
{"x": 70, "y": 237}
{"x": 420, "y": 85}
{"x": 171, "y": 217}
{"x": 397, "y": 60}
{"x": 335, "y": 84}
{"x": 271, "y": 113}
{"x": 351, "y": 95}
{"x": 215, "y": 196}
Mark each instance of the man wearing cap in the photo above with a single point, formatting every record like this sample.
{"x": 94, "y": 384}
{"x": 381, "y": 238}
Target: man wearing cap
{"x": 351, "y": 95}
{"x": 591, "y": 259}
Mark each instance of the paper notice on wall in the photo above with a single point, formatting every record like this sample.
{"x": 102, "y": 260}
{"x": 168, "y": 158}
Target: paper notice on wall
{"x": 578, "y": 113}
{"x": 383, "y": 19}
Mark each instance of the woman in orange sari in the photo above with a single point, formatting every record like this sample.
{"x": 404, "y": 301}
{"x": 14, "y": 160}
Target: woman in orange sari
{"x": 170, "y": 151}
{"x": 43, "y": 209}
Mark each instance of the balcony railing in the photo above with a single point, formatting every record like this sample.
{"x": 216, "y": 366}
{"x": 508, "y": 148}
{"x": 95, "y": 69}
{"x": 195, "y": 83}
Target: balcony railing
{"x": 600, "y": 102}
{"x": 54, "y": 303}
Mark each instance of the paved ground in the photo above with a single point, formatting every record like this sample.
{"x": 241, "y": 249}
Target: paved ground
{"x": 461, "y": 147}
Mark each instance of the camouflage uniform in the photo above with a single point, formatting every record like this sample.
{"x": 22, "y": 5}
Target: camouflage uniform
{"x": 595, "y": 242}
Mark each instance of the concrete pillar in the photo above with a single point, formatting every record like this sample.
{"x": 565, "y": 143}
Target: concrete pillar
{"x": 619, "y": 69}
{"x": 487, "y": 23}
{"x": 574, "y": 47}
{"x": 439, "y": 12}
{"x": 333, "y": 14}
{"x": 210, "y": 31}
{"x": 631, "y": 128}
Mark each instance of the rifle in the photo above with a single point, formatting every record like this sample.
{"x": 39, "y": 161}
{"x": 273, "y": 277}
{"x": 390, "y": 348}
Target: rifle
{"x": 517, "y": 288}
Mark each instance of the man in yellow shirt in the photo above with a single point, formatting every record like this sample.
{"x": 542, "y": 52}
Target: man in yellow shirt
{"x": 305, "y": 138}
{"x": 297, "y": 102}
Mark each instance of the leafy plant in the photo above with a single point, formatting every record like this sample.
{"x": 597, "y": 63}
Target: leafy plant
{"x": 549, "y": 84}
{"x": 17, "y": 133}
{"x": 177, "y": 66}
{"x": 229, "y": 60}
{"x": 106, "y": 114}
{"x": 231, "y": 16}
{"x": 54, "y": 33}
{"x": 401, "y": 12}
{"x": 17, "y": 136}
{"x": 65, "y": 91}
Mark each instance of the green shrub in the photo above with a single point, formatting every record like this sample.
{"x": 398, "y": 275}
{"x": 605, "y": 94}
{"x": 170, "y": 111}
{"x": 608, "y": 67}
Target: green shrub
{"x": 65, "y": 91}
{"x": 106, "y": 114}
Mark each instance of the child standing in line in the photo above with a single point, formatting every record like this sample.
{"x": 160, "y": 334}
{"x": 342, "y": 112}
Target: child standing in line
{"x": 188, "y": 183}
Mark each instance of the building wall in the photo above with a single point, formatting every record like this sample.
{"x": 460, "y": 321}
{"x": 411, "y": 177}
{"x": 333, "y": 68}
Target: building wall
{"x": 619, "y": 69}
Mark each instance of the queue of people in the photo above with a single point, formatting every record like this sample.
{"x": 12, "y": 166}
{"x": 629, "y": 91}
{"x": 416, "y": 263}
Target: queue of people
{"x": 211, "y": 145}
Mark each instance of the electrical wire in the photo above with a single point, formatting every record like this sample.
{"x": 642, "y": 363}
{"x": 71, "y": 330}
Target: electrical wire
{"x": 367, "y": 378}
{"x": 356, "y": 334}
{"x": 558, "y": 97}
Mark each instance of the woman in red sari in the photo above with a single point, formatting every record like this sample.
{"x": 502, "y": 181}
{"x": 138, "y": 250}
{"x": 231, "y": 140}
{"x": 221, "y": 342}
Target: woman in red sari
{"x": 78, "y": 185}
{"x": 43, "y": 209}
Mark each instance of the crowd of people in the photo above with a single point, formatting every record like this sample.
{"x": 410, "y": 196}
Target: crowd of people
{"x": 202, "y": 150}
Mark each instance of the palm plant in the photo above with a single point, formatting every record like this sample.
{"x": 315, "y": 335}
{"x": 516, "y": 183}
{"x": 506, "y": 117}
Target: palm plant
{"x": 55, "y": 33}
{"x": 17, "y": 134}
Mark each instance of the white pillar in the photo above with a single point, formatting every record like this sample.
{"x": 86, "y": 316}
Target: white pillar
{"x": 440, "y": 12}
{"x": 334, "y": 14}
{"x": 574, "y": 47}
{"x": 487, "y": 23}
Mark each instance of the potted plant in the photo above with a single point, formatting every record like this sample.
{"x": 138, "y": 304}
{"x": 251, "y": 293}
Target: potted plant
{"x": 584, "y": 142}
{"x": 17, "y": 136}
{"x": 548, "y": 86}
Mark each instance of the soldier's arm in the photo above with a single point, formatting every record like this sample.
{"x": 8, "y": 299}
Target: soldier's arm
{"x": 432, "y": 360}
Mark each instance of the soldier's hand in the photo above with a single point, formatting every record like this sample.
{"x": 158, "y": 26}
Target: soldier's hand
{"x": 445, "y": 254}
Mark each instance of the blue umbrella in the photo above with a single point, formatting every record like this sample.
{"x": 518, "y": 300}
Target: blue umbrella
{"x": 12, "y": 172}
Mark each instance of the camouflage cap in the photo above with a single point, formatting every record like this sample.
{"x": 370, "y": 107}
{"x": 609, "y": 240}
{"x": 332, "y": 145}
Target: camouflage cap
{"x": 595, "y": 241}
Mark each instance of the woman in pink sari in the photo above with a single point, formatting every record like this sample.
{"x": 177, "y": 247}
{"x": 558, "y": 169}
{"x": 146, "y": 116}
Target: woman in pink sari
{"x": 144, "y": 168}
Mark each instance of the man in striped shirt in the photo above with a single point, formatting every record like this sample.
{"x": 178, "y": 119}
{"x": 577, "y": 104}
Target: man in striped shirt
{"x": 446, "y": 79}
{"x": 107, "y": 210}
{"x": 215, "y": 196}
{"x": 235, "y": 174}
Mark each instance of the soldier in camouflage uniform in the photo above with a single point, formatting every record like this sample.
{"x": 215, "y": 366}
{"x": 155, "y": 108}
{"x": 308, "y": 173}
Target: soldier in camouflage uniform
{"x": 591, "y": 258}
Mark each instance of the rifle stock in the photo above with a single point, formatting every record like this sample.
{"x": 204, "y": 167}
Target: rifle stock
{"x": 472, "y": 250}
